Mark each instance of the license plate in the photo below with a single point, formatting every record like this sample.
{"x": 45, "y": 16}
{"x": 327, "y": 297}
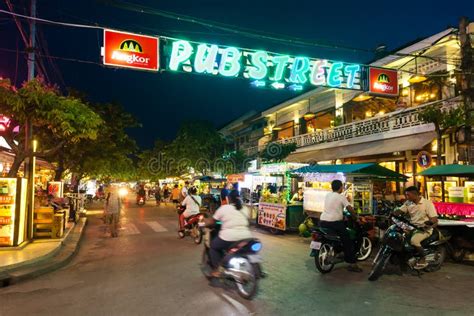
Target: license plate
{"x": 254, "y": 258}
{"x": 315, "y": 245}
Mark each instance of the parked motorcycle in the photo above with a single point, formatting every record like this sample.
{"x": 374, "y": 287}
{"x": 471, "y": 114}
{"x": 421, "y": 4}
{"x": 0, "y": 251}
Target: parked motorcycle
{"x": 326, "y": 245}
{"x": 191, "y": 226}
{"x": 240, "y": 265}
{"x": 396, "y": 247}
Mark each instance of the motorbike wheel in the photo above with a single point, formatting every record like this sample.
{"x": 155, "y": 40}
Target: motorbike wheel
{"x": 325, "y": 253}
{"x": 197, "y": 235}
{"x": 365, "y": 249}
{"x": 379, "y": 265}
{"x": 248, "y": 288}
{"x": 440, "y": 257}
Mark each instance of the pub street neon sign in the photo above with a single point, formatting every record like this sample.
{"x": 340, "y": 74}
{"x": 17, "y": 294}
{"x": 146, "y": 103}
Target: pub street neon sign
{"x": 261, "y": 67}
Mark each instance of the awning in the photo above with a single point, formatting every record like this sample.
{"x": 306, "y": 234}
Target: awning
{"x": 449, "y": 170}
{"x": 372, "y": 170}
{"x": 360, "y": 147}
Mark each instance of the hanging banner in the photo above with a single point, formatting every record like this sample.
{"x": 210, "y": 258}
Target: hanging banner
{"x": 261, "y": 67}
{"x": 130, "y": 50}
{"x": 383, "y": 81}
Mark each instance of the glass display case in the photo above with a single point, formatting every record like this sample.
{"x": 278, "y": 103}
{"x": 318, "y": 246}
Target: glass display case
{"x": 12, "y": 211}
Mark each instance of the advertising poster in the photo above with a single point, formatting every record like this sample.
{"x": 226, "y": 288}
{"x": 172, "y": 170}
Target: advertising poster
{"x": 272, "y": 215}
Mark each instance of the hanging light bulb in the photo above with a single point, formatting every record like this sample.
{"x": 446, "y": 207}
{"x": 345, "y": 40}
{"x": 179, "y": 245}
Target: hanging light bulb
{"x": 417, "y": 78}
{"x": 362, "y": 97}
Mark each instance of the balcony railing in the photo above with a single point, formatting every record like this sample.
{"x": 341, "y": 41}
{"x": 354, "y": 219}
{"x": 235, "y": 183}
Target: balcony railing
{"x": 394, "y": 121}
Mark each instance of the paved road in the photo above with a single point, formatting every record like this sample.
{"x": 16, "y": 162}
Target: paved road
{"x": 149, "y": 271}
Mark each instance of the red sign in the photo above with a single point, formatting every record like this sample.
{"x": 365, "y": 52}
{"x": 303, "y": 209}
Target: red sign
{"x": 5, "y": 220}
{"x": 130, "y": 50}
{"x": 383, "y": 81}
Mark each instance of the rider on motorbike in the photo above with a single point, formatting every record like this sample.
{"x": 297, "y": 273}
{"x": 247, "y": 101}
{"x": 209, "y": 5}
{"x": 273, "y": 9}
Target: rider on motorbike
{"x": 234, "y": 218}
{"x": 141, "y": 193}
{"x": 333, "y": 218}
{"x": 423, "y": 216}
{"x": 192, "y": 203}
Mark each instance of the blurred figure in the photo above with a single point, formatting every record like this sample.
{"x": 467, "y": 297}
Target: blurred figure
{"x": 175, "y": 194}
{"x": 158, "y": 195}
{"x": 113, "y": 206}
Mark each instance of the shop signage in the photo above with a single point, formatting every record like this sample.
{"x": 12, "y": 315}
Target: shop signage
{"x": 424, "y": 159}
{"x": 130, "y": 50}
{"x": 383, "y": 81}
{"x": 234, "y": 178}
{"x": 272, "y": 215}
{"x": 261, "y": 67}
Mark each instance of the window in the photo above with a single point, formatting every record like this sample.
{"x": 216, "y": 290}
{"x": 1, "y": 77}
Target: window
{"x": 287, "y": 130}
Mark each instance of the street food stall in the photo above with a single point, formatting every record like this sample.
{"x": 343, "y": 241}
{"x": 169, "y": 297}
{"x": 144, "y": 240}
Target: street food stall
{"x": 455, "y": 204}
{"x": 275, "y": 208}
{"x": 359, "y": 180}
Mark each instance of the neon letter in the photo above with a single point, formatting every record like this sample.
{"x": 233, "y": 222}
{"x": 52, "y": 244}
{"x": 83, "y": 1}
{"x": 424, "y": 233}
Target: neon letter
{"x": 299, "y": 69}
{"x": 180, "y": 53}
{"x": 351, "y": 71}
{"x": 230, "y": 62}
{"x": 205, "y": 58}
{"x": 280, "y": 65}
{"x": 318, "y": 75}
{"x": 334, "y": 78}
{"x": 259, "y": 62}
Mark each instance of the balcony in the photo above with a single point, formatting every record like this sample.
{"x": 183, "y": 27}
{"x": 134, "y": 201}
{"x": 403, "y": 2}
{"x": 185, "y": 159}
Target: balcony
{"x": 371, "y": 134}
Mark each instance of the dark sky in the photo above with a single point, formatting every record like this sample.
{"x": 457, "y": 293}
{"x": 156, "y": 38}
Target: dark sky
{"x": 162, "y": 100}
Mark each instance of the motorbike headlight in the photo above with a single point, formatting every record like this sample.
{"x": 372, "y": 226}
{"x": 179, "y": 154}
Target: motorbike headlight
{"x": 123, "y": 192}
{"x": 256, "y": 247}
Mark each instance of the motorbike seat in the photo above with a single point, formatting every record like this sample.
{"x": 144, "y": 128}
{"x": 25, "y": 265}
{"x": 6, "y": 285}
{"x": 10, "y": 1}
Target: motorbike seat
{"x": 239, "y": 244}
{"x": 434, "y": 237}
{"x": 329, "y": 233}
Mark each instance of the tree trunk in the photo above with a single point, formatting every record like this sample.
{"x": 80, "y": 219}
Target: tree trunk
{"x": 59, "y": 170}
{"x": 16, "y": 165}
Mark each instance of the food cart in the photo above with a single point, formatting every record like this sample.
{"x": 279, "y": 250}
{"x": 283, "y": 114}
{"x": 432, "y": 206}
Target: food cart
{"x": 454, "y": 202}
{"x": 275, "y": 210}
{"x": 358, "y": 178}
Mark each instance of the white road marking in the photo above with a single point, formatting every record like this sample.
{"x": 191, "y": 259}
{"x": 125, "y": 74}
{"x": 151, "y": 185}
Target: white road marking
{"x": 156, "y": 227}
{"x": 130, "y": 229}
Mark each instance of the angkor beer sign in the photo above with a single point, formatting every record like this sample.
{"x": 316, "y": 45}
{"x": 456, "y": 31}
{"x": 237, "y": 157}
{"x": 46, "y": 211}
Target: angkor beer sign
{"x": 130, "y": 50}
{"x": 263, "y": 68}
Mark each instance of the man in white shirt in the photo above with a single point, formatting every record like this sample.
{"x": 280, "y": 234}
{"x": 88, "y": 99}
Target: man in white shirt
{"x": 333, "y": 218}
{"x": 184, "y": 192}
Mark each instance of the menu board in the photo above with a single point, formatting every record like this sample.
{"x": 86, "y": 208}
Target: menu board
{"x": 7, "y": 210}
{"x": 272, "y": 215}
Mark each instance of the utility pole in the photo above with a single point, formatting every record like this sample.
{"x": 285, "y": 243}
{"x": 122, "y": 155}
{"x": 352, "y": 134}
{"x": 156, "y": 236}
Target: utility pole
{"x": 29, "y": 163}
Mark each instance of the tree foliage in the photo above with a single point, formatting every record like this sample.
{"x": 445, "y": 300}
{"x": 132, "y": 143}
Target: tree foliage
{"x": 277, "y": 152}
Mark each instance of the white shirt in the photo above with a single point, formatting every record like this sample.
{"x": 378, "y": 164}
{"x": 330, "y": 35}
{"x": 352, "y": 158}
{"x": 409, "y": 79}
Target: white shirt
{"x": 235, "y": 223}
{"x": 184, "y": 191}
{"x": 334, "y": 205}
{"x": 421, "y": 212}
{"x": 192, "y": 208}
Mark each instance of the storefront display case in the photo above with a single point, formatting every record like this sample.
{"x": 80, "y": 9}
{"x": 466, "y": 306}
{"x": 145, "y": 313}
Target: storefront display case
{"x": 13, "y": 215}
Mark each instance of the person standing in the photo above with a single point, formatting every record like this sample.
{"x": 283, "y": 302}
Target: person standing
{"x": 113, "y": 206}
{"x": 175, "y": 194}
{"x": 333, "y": 218}
{"x": 158, "y": 195}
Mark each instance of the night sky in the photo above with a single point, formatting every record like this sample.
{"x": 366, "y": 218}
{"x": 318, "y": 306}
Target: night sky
{"x": 161, "y": 101}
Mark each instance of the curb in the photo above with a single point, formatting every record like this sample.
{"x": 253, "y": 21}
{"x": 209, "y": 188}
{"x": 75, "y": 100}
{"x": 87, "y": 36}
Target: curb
{"x": 62, "y": 257}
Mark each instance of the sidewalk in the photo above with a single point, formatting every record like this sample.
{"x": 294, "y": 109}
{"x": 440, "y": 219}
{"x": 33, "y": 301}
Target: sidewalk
{"x": 40, "y": 257}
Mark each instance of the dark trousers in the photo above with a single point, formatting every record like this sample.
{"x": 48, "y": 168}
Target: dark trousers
{"x": 218, "y": 246}
{"x": 347, "y": 244}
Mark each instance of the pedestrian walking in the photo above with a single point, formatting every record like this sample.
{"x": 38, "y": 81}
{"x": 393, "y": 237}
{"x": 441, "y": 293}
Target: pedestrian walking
{"x": 113, "y": 206}
{"x": 158, "y": 195}
{"x": 175, "y": 193}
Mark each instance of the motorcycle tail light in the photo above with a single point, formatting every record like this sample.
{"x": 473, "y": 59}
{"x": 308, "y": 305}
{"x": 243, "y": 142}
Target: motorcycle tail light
{"x": 314, "y": 236}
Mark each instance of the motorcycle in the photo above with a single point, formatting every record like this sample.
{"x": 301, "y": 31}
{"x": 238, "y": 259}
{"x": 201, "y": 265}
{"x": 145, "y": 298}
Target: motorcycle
{"x": 191, "y": 226}
{"x": 240, "y": 265}
{"x": 327, "y": 249}
{"x": 141, "y": 200}
{"x": 396, "y": 247}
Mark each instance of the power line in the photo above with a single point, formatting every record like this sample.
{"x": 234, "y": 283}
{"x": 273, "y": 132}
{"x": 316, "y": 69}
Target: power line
{"x": 8, "y": 50}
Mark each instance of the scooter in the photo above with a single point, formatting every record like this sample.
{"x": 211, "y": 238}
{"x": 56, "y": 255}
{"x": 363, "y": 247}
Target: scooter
{"x": 141, "y": 200}
{"x": 396, "y": 247}
{"x": 326, "y": 245}
{"x": 191, "y": 226}
{"x": 240, "y": 265}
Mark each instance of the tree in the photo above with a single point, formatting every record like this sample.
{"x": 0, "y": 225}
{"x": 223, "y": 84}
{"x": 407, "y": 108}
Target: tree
{"x": 444, "y": 120}
{"x": 197, "y": 145}
{"x": 238, "y": 159}
{"x": 56, "y": 119}
{"x": 107, "y": 156}
{"x": 276, "y": 152}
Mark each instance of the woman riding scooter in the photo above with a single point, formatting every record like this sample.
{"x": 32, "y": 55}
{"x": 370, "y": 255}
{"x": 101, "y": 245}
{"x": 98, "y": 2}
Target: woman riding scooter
{"x": 234, "y": 218}
{"x": 192, "y": 203}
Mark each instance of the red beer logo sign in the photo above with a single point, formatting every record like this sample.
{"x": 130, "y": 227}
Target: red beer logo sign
{"x": 130, "y": 50}
{"x": 383, "y": 81}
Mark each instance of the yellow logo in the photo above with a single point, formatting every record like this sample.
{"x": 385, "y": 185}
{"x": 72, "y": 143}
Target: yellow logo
{"x": 383, "y": 78}
{"x": 131, "y": 46}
